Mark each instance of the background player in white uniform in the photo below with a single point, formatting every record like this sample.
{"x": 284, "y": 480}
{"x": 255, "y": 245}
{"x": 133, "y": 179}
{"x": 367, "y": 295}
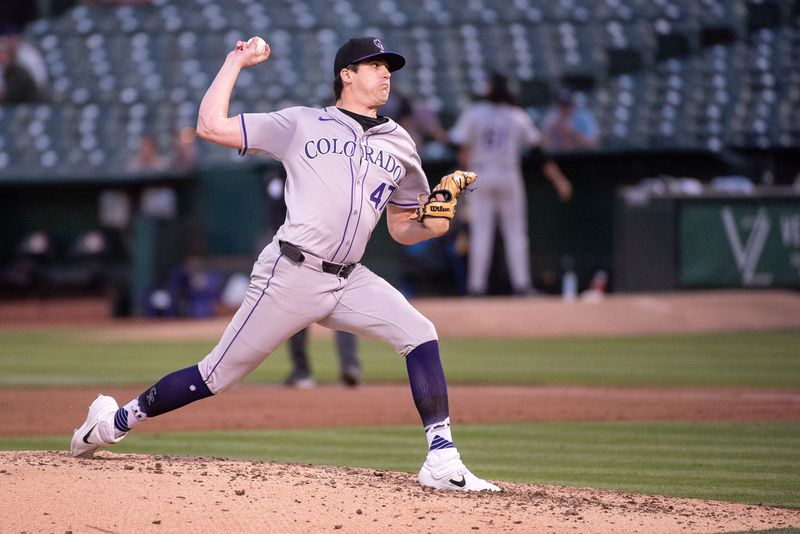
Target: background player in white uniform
{"x": 344, "y": 165}
{"x": 492, "y": 134}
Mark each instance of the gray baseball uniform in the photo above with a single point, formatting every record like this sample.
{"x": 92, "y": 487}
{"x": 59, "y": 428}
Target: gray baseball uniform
{"x": 339, "y": 180}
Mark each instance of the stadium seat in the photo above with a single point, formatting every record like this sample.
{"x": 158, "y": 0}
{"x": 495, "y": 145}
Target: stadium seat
{"x": 672, "y": 45}
{"x": 107, "y": 64}
{"x": 621, "y": 112}
{"x": 536, "y": 92}
{"x": 624, "y": 60}
{"x": 763, "y": 14}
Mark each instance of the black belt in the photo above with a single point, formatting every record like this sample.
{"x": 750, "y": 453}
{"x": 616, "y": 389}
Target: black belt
{"x": 342, "y": 270}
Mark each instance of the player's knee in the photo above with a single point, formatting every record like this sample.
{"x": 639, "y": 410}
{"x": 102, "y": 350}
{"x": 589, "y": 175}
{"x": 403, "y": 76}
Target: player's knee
{"x": 228, "y": 364}
{"x": 423, "y": 332}
{"x": 206, "y": 366}
{"x": 430, "y": 331}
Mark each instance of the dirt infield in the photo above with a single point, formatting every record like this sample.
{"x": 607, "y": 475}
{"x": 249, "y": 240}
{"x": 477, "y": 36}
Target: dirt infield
{"x": 625, "y": 314}
{"x": 53, "y": 492}
{"x": 273, "y": 407}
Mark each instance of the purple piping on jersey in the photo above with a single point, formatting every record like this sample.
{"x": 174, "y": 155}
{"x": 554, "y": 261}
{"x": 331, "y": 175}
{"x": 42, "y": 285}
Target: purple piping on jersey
{"x": 386, "y": 132}
{"x": 271, "y": 275}
{"x": 404, "y": 205}
{"x": 332, "y": 118}
{"x": 243, "y": 150}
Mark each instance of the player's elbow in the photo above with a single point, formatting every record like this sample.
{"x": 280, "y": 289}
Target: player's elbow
{"x": 204, "y": 128}
{"x": 223, "y": 131}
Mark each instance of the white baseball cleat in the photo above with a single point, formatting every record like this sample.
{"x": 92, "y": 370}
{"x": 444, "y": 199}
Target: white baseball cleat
{"x": 98, "y": 429}
{"x": 443, "y": 469}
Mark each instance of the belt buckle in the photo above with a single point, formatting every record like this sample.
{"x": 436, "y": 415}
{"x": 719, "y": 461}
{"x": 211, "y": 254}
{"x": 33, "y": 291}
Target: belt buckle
{"x": 342, "y": 268}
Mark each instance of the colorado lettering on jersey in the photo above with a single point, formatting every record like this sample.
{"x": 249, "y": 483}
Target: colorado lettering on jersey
{"x": 330, "y": 146}
{"x": 323, "y": 146}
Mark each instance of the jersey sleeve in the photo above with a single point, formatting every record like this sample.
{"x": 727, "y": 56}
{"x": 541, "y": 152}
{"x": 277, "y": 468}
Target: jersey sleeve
{"x": 268, "y": 133}
{"x": 530, "y": 133}
{"x": 461, "y": 132}
{"x": 412, "y": 184}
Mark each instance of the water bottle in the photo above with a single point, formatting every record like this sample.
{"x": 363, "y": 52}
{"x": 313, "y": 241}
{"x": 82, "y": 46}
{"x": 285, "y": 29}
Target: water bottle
{"x": 569, "y": 282}
{"x": 569, "y": 286}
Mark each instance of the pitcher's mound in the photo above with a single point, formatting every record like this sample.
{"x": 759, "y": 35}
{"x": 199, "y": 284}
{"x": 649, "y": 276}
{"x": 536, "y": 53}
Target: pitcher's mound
{"x": 51, "y": 491}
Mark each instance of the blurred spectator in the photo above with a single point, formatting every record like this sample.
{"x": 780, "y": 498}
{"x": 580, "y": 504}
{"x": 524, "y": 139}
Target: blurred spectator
{"x": 569, "y": 126}
{"x": 491, "y": 134}
{"x": 18, "y": 84}
{"x": 419, "y": 120}
{"x": 148, "y": 159}
{"x": 186, "y": 148}
{"x": 192, "y": 290}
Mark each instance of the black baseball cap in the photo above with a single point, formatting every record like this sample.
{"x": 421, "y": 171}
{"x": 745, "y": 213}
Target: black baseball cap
{"x": 360, "y": 49}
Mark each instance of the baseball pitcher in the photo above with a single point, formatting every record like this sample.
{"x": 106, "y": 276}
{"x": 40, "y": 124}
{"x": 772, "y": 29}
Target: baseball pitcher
{"x": 345, "y": 165}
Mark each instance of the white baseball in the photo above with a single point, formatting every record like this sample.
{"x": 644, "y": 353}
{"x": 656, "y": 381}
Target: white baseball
{"x": 261, "y": 44}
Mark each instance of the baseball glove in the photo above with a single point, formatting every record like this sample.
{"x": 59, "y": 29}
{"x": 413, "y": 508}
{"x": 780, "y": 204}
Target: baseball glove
{"x": 444, "y": 196}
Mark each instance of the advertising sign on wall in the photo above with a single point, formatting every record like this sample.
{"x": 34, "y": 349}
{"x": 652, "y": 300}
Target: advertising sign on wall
{"x": 744, "y": 244}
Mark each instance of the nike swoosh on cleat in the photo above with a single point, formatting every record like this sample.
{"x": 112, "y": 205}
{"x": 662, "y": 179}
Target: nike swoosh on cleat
{"x": 86, "y": 437}
{"x": 460, "y": 483}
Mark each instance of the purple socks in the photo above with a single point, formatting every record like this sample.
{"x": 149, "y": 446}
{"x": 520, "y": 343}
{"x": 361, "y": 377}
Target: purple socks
{"x": 425, "y": 376}
{"x": 171, "y": 392}
{"x": 174, "y": 391}
{"x": 428, "y": 386}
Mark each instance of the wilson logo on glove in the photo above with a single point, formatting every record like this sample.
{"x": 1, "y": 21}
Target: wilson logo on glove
{"x": 444, "y": 196}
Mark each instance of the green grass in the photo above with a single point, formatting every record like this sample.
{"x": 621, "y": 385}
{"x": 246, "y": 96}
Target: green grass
{"x": 738, "y": 462}
{"x": 743, "y": 462}
{"x": 744, "y": 359}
